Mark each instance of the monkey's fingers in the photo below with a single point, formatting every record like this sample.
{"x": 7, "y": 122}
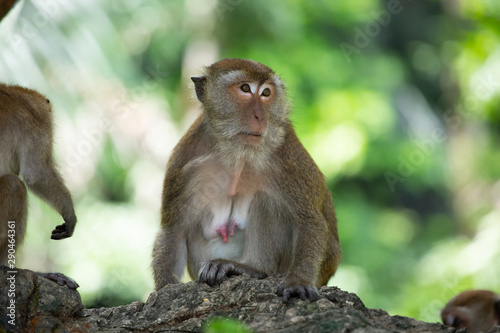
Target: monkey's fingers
{"x": 61, "y": 232}
{"x": 60, "y": 279}
{"x": 225, "y": 270}
{"x": 304, "y": 292}
{"x": 258, "y": 274}
{"x": 216, "y": 271}
{"x": 208, "y": 273}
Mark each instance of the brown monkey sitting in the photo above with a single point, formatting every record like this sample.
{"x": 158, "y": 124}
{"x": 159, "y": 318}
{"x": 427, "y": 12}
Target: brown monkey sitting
{"x": 241, "y": 194}
{"x": 26, "y": 150}
{"x": 476, "y": 310}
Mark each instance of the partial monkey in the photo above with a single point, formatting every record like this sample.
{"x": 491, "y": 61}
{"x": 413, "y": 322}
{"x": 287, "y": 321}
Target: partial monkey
{"x": 5, "y": 7}
{"x": 26, "y": 158}
{"x": 241, "y": 194}
{"x": 476, "y": 310}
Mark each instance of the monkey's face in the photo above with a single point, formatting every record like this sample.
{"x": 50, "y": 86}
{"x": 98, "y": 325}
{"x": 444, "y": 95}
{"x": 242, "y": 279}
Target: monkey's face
{"x": 458, "y": 318}
{"x": 247, "y": 110}
{"x": 472, "y": 309}
{"x": 244, "y": 102}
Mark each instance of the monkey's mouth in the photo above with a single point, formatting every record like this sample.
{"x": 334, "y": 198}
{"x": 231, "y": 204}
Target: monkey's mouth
{"x": 251, "y": 134}
{"x": 251, "y": 137}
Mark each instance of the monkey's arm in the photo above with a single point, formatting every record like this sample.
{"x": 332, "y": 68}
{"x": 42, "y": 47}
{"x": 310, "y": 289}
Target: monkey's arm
{"x": 170, "y": 248}
{"x": 44, "y": 180}
{"x": 169, "y": 257}
{"x": 38, "y": 170}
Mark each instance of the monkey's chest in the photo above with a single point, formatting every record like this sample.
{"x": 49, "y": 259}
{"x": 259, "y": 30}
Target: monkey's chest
{"x": 226, "y": 217}
{"x": 219, "y": 232}
{"x": 221, "y": 210}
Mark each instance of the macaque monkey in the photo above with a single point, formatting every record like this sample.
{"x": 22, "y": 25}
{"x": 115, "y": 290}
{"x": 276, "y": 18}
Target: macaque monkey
{"x": 241, "y": 194}
{"x": 26, "y": 150}
{"x": 477, "y": 310}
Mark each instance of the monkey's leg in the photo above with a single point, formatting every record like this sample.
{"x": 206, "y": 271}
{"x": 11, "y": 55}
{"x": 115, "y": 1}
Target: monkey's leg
{"x": 301, "y": 279}
{"x": 13, "y": 211}
{"x": 49, "y": 185}
{"x": 333, "y": 253}
{"x": 169, "y": 257}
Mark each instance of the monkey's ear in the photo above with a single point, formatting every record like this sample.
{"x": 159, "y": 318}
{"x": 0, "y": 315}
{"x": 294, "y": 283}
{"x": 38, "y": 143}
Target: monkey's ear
{"x": 199, "y": 86}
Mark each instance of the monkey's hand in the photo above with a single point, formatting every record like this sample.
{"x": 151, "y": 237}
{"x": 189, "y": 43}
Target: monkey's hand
{"x": 288, "y": 290}
{"x": 64, "y": 230}
{"x": 215, "y": 271}
{"x": 60, "y": 279}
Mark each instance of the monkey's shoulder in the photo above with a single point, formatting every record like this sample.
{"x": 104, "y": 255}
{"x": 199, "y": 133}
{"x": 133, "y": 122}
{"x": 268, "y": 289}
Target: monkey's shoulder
{"x": 299, "y": 175}
{"x": 295, "y": 157}
{"x": 196, "y": 142}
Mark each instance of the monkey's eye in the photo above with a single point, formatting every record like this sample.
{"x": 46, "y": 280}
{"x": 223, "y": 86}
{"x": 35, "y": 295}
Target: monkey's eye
{"x": 266, "y": 92}
{"x": 245, "y": 88}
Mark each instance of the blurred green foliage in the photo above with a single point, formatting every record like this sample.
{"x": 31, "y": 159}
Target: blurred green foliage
{"x": 225, "y": 326}
{"x": 397, "y": 101}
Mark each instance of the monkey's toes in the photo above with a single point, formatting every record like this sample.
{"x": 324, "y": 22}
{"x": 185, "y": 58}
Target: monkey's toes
{"x": 60, "y": 279}
{"x": 304, "y": 292}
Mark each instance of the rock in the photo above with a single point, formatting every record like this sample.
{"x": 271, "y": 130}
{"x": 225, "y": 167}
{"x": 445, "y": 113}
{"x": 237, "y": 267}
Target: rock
{"x": 39, "y": 303}
{"x": 44, "y": 306}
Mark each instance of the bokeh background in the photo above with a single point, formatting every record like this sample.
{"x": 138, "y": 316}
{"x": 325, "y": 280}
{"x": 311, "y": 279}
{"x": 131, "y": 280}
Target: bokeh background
{"x": 397, "y": 101}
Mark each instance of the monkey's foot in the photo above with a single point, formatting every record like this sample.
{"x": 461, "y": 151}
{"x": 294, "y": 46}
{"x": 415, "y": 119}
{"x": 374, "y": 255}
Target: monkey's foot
{"x": 60, "y": 279}
{"x": 304, "y": 292}
{"x": 216, "y": 271}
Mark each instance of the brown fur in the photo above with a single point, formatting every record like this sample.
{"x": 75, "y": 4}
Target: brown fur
{"x": 14, "y": 206}
{"x": 5, "y": 7}
{"x": 290, "y": 228}
{"x": 254, "y": 69}
{"x": 476, "y": 310}
{"x": 26, "y": 149}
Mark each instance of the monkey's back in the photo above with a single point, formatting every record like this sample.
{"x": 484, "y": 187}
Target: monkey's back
{"x": 25, "y": 121}
{"x": 18, "y": 103}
